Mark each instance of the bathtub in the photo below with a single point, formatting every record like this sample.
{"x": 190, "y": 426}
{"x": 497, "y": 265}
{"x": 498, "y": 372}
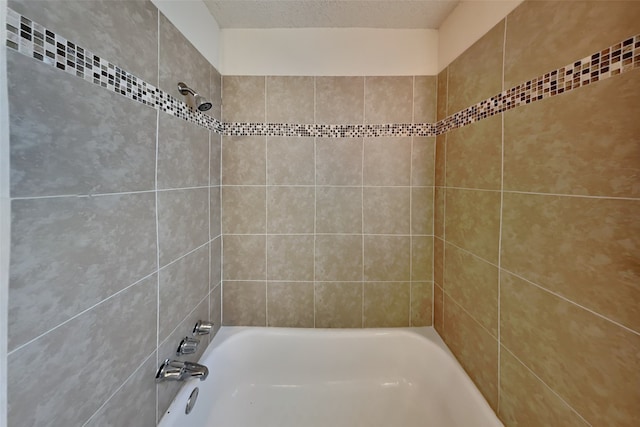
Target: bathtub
{"x": 280, "y": 377}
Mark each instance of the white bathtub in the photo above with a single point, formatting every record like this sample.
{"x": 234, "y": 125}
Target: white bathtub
{"x": 278, "y": 377}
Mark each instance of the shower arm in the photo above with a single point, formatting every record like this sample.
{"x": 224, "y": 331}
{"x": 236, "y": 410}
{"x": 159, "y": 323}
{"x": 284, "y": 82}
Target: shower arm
{"x": 185, "y": 90}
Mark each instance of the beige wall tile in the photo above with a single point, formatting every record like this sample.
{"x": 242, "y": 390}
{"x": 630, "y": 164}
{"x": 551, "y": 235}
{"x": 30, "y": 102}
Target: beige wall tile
{"x": 243, "y": 160}
{"x": 438, "y": 309}
{"x": 424, "y": 99}
{"x": 422, "y": 210}
{"x": 339, "y": 100}
{"x": 290, "y": 304}
{"x": 438, "y": 211}
{"x": 388, "y": 99}
{"x": 590, "y": 362}
{"x": 290, "y": 99}
{"x": 423, "y": 161}
{"x": 338, "y": 258}
{"x": 440, "y": 161}
{"x": 244, "y": 304}
{"x": 338, "y": 305}
{"x": 474, "y": 155}
{"x": 473, "y": 284}
{"x": 386, "y": 258}
{"x": 475, "y": 349}
{"x": 421, "y": 303}
{"x": 582, "y": 248}
{"x": 339, "y": 161}
{"x": 339, "y": 210}
{"x": 477, "y": 73}
{"x": 387, "y": 161}
{"x": 525, "y": 401}
{"x": 386, "y": 305}
{"x": 441, "y": 108}
{"x": 386, "y": 210}
{"x": 243, "y": 210}
{"x": 290, "y": 209}
{"x": 243, "y": 99}
{"x": 244, "y": 257}
{"x": 422, "y": 258}
{"x": 473, "y": 221}
{"x": 583, "y": 143}
{"x": 438, "y": 261}
{"x": 290, "y": 257}
{"x": 290, "y": 161}
{"x": 533, "y": 49}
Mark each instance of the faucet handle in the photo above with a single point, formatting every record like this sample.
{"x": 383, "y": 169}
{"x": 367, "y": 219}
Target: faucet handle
{"x": 188, "y": 346}
{"x": 202, "y": 327}
{"x": 170, "y": 370}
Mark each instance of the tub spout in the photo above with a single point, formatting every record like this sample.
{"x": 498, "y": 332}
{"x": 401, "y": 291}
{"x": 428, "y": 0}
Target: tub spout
{"x": 174, "y": 370}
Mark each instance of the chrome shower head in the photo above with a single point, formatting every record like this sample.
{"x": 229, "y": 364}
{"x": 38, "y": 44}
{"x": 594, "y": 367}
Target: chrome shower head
{"x": 200, "y": 102}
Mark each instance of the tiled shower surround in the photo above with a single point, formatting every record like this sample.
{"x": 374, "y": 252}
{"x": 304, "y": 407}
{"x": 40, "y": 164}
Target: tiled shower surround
{"x": 331, "y": 197}
{"x": 115, "y": 250}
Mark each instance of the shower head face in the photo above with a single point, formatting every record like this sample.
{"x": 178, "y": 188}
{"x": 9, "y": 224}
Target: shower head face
{"x": 201, "y": 103}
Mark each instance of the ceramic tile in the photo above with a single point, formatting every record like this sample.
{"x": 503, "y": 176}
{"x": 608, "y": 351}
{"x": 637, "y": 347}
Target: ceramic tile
{"x": 183, "y": 222}
{"x": 422, "y": 258}
{"x": 123, "y": 321}
{"x": 339, "y": 210}
{"x": 290, "y": 304}
{"x": 424, "y": 99}
{"x": 290, "y": 209}
{"x": 338, "y": 305}
{"x": 94, "y": 142}
{"x": 244, "y": 160}
{"x": 244, "y": 304}
{"x": 473, "y": 221}
{"x": 290, "y": 257}
{"x": 388, "y": 99}
{"x": 386, "y": 304}
{"x": 423, "y": 161}
{"x": 339, "y": 161}
{"x": 290, "y": 161}
{"x": 243, "y": 99}
{"x": 290, "y": 99}
{"x": 339, "y": 100}
{"x": 422, "y": 210}
{"x": 244, "y": 210}
{"x": 387, "y": 258}
{"x": 584, "y": 249}
{"x": 421, "y": 303}
{"x": 386, "y": 210}
{"x": 387, "y": 161}
{"x": 338, "y": 258}
{"x": 60, "y": 246}
{"x": 244, "y": 257}
{"x": 549, "y": 334}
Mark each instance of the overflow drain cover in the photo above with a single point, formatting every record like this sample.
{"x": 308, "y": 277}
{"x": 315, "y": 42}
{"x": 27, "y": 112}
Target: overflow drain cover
{"x": 192, "y": 400}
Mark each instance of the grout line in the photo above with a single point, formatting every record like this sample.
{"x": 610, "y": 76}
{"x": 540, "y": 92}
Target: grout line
{"x": 155, "y": 351}
{"x": 185, "y": 255}
{"x": 413, "y": 115}
{"x": 504, "y": 49}
{"x": 444, "y": 207}
{"x": 266, "y": 212}
{"x": 544, "y": 383}
{"x": 470, "y": 315}
{"x": 364, "y": 112}
{"x": 315, "y": 201}
{"x": 21, "y": 346}
{"x": 327, "y": 281}
{"x": 626, "y": 328}
{"x": 121, "y": 193}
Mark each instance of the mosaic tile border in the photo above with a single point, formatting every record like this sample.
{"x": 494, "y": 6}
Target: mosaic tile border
{"x": 614, "y": 60}
{"x": 32, "y": 39}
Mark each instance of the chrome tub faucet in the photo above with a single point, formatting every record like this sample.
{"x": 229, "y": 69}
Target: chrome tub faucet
{"x": 174, "y": 370}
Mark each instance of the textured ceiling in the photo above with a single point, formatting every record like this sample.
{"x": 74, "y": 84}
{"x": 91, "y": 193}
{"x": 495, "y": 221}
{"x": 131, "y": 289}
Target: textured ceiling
{"x": 330, "y": 13}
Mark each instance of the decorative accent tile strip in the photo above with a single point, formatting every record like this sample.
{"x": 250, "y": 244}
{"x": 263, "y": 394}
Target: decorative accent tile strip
{"x": 33, "y": 40}
{"x": 614, "y": 60}
{"x": 329, "y": 131}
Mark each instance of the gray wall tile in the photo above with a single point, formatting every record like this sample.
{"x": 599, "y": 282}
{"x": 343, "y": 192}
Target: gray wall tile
{"x": 183, "y": 217}
{"x": 183, "y": 284}
{"x": 68, "y": 254}
{"x": 181, "y": 62}
{"x": 82, "y": 361}
{"x": 94, "y": 142}
{"x": 134, "y": 404}
{"x": 183, "y": 153}
{"x": 124, "y": 32}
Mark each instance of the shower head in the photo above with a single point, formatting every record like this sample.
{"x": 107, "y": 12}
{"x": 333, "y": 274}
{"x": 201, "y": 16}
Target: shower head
{"x": 200, "y": 102}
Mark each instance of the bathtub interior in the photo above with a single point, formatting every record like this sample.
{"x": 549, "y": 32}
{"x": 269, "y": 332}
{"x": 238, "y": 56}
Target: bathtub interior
{"x": 292, "y": 377}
